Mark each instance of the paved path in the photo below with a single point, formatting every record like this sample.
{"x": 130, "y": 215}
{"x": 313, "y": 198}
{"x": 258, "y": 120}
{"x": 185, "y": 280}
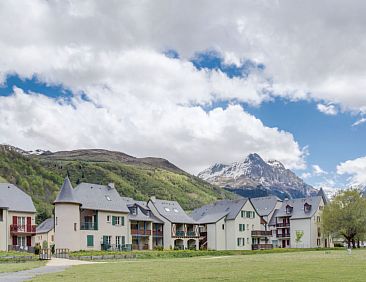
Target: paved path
{"x": 54, "y": 265}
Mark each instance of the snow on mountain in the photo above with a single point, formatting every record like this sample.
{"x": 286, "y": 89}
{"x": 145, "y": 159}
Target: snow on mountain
{"x": 258, "y": 177}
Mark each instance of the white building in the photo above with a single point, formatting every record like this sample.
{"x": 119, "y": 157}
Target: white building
{"x": 230, "y": 225}
{"x": 17, "y": 219}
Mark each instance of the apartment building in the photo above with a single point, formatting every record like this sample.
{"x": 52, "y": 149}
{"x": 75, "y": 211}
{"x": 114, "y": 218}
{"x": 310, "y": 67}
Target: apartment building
{"x": 147, "y": 230}
{"x": 297, "y": 223}
{"x": 45, "y": 233}
{"x": 17, "y": 219}
{"x": 180, "y": 230}
{"x": 230, "y": 225}
{"x": 91, "y": 217}
{"x": 266, "y": 207}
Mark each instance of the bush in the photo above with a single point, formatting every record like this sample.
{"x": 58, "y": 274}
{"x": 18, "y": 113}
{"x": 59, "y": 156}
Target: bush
{"x": 158, "y": 248}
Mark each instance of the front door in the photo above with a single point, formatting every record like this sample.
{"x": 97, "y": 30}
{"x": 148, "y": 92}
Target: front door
{"x": 283, "y": 243}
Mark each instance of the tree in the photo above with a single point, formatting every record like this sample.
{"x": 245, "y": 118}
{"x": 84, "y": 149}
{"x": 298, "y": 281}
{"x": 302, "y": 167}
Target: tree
{"x": 346, "y": 216}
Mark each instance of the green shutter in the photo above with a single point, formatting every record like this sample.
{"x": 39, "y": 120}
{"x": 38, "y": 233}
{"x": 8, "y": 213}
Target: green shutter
{"x": 113, "y": 220}
{"x": 240, "y": 227}
{"x": 105, "y": 240}
{"x": 238, "y": 241}
{"x": 123, "y": 240}
{"x": 90, "y": 240}
{"x": 253, "y": 214}
{"x": 243, "y": 227}
{"x": 122, "y": 220}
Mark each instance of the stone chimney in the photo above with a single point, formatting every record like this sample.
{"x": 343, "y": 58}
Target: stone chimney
{"x": 111, "y": 186}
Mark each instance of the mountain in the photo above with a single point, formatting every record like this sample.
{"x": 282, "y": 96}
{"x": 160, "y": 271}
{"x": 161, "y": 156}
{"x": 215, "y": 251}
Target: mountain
{"x": 41, "y": 176}
{"x": 255, "y": 177}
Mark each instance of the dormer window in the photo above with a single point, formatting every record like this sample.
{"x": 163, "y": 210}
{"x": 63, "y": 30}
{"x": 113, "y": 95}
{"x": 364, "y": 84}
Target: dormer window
{"x": 307, "y": 207}
{"x": 134, "y": 211}
{"x": 289, "y": 209}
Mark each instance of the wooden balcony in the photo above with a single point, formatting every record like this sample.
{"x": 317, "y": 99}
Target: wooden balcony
{"x": 22, "y": 229}
{"x": 283, "y": 235}
{"x": 262, "y": 247}
{"x": 140, "y": 232}
{"x": 158, "y": 233}
{"x": 261, "y": 233}
{"x": 283, "y": 224}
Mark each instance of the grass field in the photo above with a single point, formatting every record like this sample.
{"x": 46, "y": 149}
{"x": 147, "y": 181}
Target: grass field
{"x": 305, "y": 266}
{"x": 18, "y": 266}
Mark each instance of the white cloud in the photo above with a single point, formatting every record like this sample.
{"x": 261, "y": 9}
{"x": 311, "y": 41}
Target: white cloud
{"x": 327, "y": 109}
{"x": 356, "y": 169}
{"x": 142, "y": 102}
{"x": 305, "y": 175}
{"x": 317, "y": 170}
{"x": 359, "y": 122}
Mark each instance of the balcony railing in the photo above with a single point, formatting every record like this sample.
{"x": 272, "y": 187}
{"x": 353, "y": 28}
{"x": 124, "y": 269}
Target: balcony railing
{"x": 262, "y": 247}
{"x": 114, "y": 247}
{"x": 140, "y": 232}
{"x": 283, "y": 235}
{"x": 88, "y": 226}
{"x": 16, "y": 228}
{"x": 158, "y": 233}
{"x": 261, "y": 233}
{"x": 283, "y": 224}
{"x": 185, "y": 234}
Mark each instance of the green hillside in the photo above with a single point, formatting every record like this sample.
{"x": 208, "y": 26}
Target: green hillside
{"x": 41, "y": 177}
{"x": 2, "y": 180}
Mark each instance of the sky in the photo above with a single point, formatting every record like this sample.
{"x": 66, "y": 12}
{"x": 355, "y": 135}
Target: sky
{"x": 194, "y": 82}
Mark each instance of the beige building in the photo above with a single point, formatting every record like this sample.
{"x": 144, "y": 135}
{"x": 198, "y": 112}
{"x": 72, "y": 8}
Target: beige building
{"x": 45, "y": 233}
{"x": 179, "y": 230}
{"x": 297, "y": 223}
{"x": 91, "y": 217}
{"x": 230, "y": 225}
{"x": 17, "y": 219}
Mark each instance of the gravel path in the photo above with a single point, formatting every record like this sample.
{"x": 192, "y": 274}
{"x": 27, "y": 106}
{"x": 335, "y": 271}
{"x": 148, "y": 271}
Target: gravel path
{"x": 54, "y": 265}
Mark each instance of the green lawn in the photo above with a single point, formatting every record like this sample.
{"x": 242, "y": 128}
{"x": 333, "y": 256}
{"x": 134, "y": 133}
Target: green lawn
{"x": 305, "y": 266}
{"x": 18, "y": 266}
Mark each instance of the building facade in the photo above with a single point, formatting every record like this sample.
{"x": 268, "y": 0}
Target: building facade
{"x": 230, "y": 225}
{"x": 17, "y": 219}
{"x": 45, "y": 233}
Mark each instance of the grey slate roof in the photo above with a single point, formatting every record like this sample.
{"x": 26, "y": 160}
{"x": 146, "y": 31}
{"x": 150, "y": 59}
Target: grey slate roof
{"x": 99, "y": 197}
{"x": 213, "y": 212}
{"x": 46, "y": 226}
{"x": 143, "y": 214}
{"x": 265, "y": 205}
{"x": 323, "y": 195}
{"x": 172, "y": 211}
{"x": 15, "y": 199}
{"x": 66, "y": 194}
{"x": 298, "y": 207}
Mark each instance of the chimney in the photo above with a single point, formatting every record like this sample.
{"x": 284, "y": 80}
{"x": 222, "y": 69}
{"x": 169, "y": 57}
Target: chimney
{"x": 111, "y": 186}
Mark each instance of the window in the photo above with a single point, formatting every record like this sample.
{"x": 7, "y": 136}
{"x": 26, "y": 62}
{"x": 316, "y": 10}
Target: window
{"x": 118, "y": 220}
{"x": 239, "y": 242}
{"x": 21, "y": 241}
{"x": 52, "y": 238}
{"x": 108, "y": 198}
{"x": 318, "y": 242}
{"x": 247, "y": 226}
{"x": 108, "y": 218}
{"x": 223, "y": 227}
{"x": 1, "y": 214}
{"x": 120, "y": 241}
{"x": 318, "y": 219}
{"x": 241, "y": 227}
{"x": 75, "y": 227}
{"x": 242, "y": 213}
{"x": 107, "y": 240}
{"x": 134, "y": 211}
{"x": 319, "y": 232}
{"x": 90, "y": 240}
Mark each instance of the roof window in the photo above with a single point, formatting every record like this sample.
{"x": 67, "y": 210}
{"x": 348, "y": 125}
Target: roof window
{"x": 108, "y": 198}
{"x": 175, "y": 210}
{"x": 167, "y": 209}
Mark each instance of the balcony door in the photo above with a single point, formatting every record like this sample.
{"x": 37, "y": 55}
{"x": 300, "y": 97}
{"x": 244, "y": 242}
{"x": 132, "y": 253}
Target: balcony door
{"x": 21, "y": 222}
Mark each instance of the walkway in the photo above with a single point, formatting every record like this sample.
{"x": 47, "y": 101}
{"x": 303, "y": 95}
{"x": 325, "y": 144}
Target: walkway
{"x": 54, "y": 265}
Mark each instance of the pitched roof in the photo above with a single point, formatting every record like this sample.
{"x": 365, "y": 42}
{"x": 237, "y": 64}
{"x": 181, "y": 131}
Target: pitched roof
{"x": 213, "y": 212}
{"x": 297, "y": 205}
{"x": 143, "y": 214}
{"x": 265, "y": 205}
{"x": 172, "y": 211}
{"x": 100, "y": 197}
{"x": 46, "y": 225}
{"x": 15, "y": 199}
{"x": 323, "y": 195}
{"x": 66, "y": 194}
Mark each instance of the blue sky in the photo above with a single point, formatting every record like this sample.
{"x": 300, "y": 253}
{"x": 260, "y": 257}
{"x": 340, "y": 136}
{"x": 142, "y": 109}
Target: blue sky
{"x": 329, "y": 139}
{"x": 224, "y": 82}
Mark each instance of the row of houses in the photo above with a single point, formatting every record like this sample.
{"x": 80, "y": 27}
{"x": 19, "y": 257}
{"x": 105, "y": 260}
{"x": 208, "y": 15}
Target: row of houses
{"x": 96, "y": 217}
